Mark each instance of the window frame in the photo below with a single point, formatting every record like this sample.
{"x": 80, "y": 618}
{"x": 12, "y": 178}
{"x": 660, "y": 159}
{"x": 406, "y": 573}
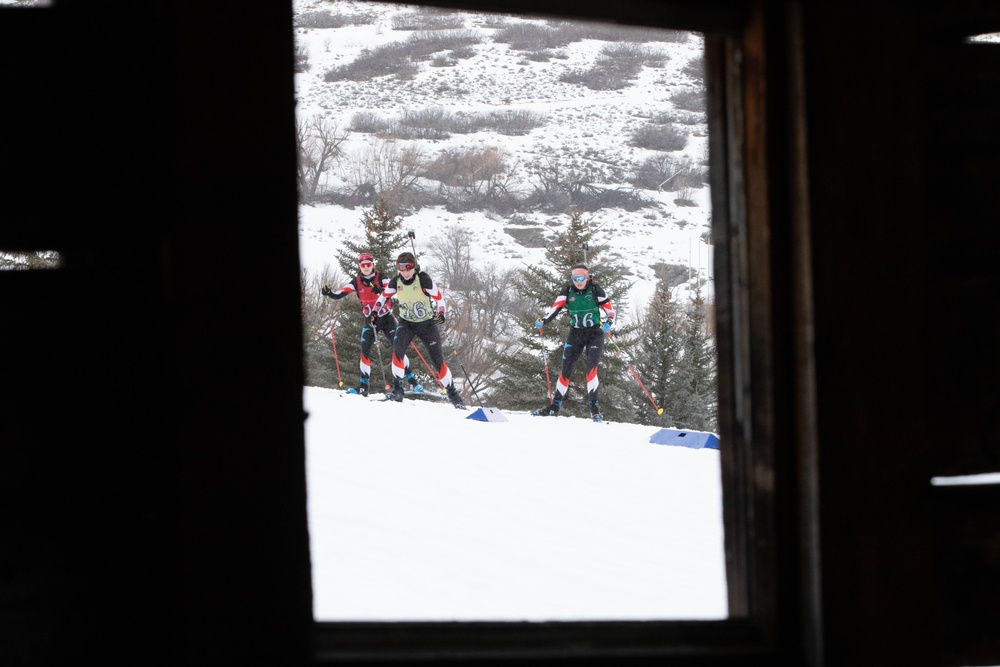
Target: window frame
{"x": 758, "y": 389}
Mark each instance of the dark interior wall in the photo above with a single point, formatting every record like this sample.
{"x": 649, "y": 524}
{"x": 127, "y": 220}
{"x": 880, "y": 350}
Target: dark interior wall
{"x": 902, "y": 142}
{"x": 862, "y": 74}
{"x": 151, "y": 446}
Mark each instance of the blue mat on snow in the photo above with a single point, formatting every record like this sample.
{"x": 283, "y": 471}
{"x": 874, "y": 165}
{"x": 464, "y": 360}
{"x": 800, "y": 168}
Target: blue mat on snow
{"x": 691, "y": 439}
{"x": 487, "y": 415}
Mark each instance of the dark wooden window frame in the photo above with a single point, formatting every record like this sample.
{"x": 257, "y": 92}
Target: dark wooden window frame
{"x": 766, "y": 394}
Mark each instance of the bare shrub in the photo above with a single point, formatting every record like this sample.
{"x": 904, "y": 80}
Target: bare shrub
{"x": 386, "y": 170}
{"x": 382, "y": 61}
{"x": 319, "y": 149}
{"x": 695, "y": 68}
{"x": 322, "y": 20}
{"x": 515, "y": 122}
{"x": 659, "y": 137}
{"x": 669, "y": 173}
{"x": 301, "y": 58}
{"x": 616, "y": 66}
{"x": 368, "y": 122}
{"x": 427, "y": 19}
{"x": 679, "y": 117}
{"x": 474, "y": 179}
{"x": 692, "y": 100}
{"x": 532, "y": 37}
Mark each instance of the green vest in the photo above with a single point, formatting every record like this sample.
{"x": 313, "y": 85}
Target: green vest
{"x": 414, "y": 305}
{"x": 583, "y": 309}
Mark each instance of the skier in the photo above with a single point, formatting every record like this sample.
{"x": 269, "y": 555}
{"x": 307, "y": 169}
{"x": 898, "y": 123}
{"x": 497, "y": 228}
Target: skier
{"x": 421, "y": 310}
{"x": 584, "y": 300}
{"x": 368, "y": 284}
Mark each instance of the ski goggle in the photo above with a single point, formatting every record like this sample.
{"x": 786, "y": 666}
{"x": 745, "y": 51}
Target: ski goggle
{"x": 366, "y": 265}
{"x": 579, "y": 279}
{"x": 405, "y": 266}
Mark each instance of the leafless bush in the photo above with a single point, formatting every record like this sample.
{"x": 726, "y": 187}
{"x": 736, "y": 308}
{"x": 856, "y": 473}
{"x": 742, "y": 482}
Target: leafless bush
{"x": 319, "y": 149}
{"x": 301, "y": 58}
{"x": 382, "y": 61}
{"x": 678, "y": 117}
{"x": 695, "y": 68}
{"x": 630, "y": 56}
{"x": 659, "y": 137}
{"x": 422, "y": 45}
{"x": 321, "y": 20}
{"x": 532, "y": 37}
{"x": 668, "y": 173}
{"x": 610, "y": 32}
{"x": 368, "y": 122}
{"x": 399, "y": 58}
{"x": 474, "y": 179}
{"x": 427, "y": 19}
{"x": 482, "y": 290}
{"x": 692, "y": 100}
{"x": 616, "y": 67}
{"x": 386, "y": 170}
{"x": 515, "y": 122}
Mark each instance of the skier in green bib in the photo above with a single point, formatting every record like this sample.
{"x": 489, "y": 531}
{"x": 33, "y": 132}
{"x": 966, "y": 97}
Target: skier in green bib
{"x": 584, "y": 300}
{"x": 421, "y": 310}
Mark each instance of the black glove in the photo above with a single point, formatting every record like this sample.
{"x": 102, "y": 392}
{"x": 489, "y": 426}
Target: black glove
{"x": 376, "y": 288}
{"x": 439, "y": 319}
{"x": 326, "y": 291}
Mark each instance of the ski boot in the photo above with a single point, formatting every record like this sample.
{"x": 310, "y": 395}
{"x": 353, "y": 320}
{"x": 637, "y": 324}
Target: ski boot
{"x": 595, "y": 412}
{"x": 414, "y": 387}
{"x": 363, "y": 389}
{"x": 550, "y": 410}
{"x": 455, "y": 397}
{"x": 397, "y": 392}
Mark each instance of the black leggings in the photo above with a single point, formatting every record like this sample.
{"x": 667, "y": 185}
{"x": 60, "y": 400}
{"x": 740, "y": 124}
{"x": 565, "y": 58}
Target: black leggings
{"x": 428, "y": 332}
{"x": 591, "y": 340}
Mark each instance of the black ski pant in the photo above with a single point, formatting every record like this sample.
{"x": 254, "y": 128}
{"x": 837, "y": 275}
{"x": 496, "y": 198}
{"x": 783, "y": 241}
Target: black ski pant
{"x": 590, "y": 340}
{"x": 369, "y": 331}
{"x": 428, "y": 332}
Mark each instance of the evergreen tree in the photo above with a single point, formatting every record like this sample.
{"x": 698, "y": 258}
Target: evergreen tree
{"x": 383, "y": 238}
{"x": 523, "y": 384}
{"x": 661, "y": 344}
{"x": 696, "y": 406}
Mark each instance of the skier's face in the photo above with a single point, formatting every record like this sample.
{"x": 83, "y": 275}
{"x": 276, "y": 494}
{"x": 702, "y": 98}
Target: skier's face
{"x": 580, "y": 277}
{"x": 406, "y": 269}
{"x": 367, "y": 268}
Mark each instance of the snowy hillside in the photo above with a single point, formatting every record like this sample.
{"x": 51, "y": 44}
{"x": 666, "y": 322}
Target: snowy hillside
{"x": 418, "y": 513}
{"x": 585, "y": 130}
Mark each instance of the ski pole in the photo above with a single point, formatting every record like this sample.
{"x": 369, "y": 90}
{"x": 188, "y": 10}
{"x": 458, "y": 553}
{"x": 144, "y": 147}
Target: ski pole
{"x": 659, "y": 410}
{"x": 545, "y": 358}
{"x": 381, "y": 364}
{"x": 433, "y": 374}
{"x": 468, "y": 379}
{"x": 333, "y": 339}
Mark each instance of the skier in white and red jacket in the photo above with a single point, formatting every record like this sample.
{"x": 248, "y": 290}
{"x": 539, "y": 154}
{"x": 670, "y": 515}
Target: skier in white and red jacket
{"x": 368, "y": 284}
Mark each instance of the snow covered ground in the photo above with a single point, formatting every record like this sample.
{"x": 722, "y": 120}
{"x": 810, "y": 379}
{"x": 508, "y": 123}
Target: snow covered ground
{"x": 418, "y": 513}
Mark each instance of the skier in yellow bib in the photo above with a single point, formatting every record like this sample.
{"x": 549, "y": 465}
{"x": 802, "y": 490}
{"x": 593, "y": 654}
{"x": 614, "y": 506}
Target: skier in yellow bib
{"x": 421, "y": 310}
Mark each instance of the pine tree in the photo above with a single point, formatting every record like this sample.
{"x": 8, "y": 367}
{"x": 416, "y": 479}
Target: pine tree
{"x": 696, "y": 388}
{"x": 661, "y": 344}
{"x": 383, "y": 239}
{"x": 523, "y": 385}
